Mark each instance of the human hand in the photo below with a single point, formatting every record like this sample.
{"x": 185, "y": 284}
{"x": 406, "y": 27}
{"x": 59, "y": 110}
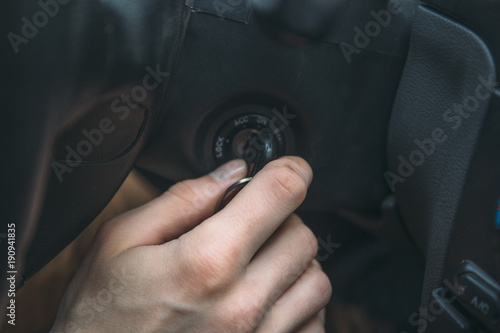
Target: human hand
{"x": 170, "y": 266}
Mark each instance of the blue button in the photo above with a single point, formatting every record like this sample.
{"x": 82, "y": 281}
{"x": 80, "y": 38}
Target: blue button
{"x": 497, "y": 222}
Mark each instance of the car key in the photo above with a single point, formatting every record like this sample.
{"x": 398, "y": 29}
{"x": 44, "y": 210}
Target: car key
{"x": 266, "y": 154}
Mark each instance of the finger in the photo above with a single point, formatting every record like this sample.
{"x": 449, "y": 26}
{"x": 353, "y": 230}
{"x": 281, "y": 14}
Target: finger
{"x": 301, "y": 302}
{"x": 281, "y": 261}
{"x": 314, "y": 325}
{"x": 256, "y": 212}
{"x": 175, "y": 212}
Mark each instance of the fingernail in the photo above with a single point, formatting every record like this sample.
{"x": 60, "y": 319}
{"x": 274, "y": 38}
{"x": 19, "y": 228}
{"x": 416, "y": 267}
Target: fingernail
{"x": 234, "y": 169}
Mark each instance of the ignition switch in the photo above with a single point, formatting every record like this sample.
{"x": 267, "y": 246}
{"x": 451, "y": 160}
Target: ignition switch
{"x": 249, "y": 136}
{"x": 255, "y": 133}
{"x": 254, "y": 138}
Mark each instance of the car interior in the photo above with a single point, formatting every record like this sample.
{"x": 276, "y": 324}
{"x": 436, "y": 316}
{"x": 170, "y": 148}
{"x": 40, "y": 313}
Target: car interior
{"x": 391, "y": 102}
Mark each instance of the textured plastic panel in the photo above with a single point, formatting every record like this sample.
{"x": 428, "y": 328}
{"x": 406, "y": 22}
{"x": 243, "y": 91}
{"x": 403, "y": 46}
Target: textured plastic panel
{"x": 438, "y": 114}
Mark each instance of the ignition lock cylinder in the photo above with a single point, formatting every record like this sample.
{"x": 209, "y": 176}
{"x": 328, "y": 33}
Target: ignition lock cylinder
{"x": 256, "y": 137}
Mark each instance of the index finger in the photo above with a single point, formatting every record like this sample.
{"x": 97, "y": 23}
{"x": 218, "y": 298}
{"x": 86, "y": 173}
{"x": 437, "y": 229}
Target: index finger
{"x": 257, "y": 211}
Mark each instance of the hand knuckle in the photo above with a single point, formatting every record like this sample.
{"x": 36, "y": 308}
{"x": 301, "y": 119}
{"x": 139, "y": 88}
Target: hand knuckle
{"x": 210, "y": 268}
{"x": 243, "y": 315}
{"x": 106, "y": 231}
{"x": 322, "y": 285}
{"x": 308, "y": 241}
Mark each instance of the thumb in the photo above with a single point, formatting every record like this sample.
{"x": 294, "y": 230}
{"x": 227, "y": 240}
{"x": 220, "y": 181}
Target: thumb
{"x": 181, "y": 208}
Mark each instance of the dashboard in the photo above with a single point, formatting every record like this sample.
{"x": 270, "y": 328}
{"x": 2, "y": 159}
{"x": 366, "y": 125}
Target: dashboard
{"x": 393, "y": 103}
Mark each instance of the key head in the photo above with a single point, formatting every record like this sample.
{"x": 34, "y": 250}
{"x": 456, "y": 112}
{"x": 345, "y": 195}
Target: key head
{"x": 266, "y": 151}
